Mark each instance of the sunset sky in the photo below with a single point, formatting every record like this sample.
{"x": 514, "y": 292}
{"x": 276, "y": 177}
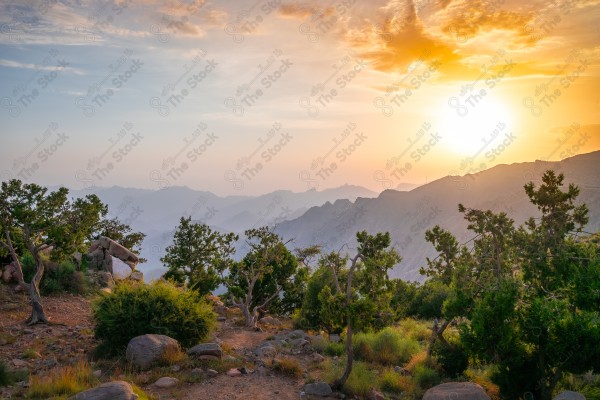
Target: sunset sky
{"x": 247, "y": 97}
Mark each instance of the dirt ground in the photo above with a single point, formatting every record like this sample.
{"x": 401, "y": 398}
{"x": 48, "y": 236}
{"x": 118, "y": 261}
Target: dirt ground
{"x": 70, "y": 336}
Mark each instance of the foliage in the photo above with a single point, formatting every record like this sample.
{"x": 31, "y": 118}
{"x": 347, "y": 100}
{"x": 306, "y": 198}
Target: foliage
{"x": 258, "y": 279}
{"x": 59, "y": 278}
{"x": 359, "y": 383}
{"x": 425, "y": 376}
{"x": 198, "y": 255}
{"x": 161, "y": 308}
{"x": 334, "y": 349}
{"x": 392, "y": 382}
{"x": 526, "y": 297}
{"x": 453, "y": 360}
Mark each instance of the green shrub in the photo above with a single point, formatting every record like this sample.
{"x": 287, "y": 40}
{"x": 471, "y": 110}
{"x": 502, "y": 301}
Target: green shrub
{"x": 160, "y": 308}
{"x": 390, "y": 381}
{"x": 4, "y": 374}
{"x": 453, "y": 361}
{"x": 335, "y": 349}
{"x": 58, "y": 278}
{"x": 425, "y": 377}
{"x": 361, "y": 380}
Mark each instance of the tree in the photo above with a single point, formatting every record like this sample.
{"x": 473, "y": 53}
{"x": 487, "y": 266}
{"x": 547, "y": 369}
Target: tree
{"x": 198, "y": 256}
{"x": 373, "y": 260}
{"x": 319, "y": 309}
{"x": 528, "y": 297}
{"x": 41, "y": 220}
{"x": 259, "y": 278}
{"x": 120, "y": 232}
{"x": 294, "y": 288}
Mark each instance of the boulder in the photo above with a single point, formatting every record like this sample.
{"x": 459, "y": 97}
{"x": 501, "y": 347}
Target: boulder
{"x": 206, "y": 349}
{"x": 297, "y": 334}
{"x": 146, "y": 350}
{"x": 317, "y": 389}
{"x": 569, "y": 395}
{"x": 120, "y": 270}
{"x": 117, "y": 390}
{"x": 456, "y": 390}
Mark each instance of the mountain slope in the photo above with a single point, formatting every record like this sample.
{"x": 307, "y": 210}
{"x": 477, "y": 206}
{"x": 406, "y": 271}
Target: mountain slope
{"x": 407, "y": 215}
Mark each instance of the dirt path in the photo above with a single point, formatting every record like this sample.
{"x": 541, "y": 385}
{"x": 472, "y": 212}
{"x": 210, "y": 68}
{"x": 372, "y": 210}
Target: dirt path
{"x": 262, "y": 384}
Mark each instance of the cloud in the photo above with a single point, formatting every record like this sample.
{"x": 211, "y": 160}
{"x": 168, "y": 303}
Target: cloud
{"x": 302, "y": 11}
{"x": 20, "y": 65}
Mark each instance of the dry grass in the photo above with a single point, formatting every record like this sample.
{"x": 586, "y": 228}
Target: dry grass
{"x": 288, "y": 366}
{"x": 65, "y": 381}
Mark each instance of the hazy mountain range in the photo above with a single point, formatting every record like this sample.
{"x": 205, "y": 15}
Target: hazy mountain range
{"x": 332, "y": 217}
{"x": 407, "y": 215}
{"x": 157, "y": 212}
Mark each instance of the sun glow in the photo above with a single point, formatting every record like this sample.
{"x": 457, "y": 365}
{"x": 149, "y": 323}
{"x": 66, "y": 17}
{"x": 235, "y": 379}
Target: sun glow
{"x": 472, "y": 128}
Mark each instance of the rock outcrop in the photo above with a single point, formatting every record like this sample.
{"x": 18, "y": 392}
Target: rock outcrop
{"x": 107, "y": 255}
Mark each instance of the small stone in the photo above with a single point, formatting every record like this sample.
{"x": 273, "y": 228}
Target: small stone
{"x": 27, "y": 331}
{"x": 211, "y": 349}
{"x": 19, "y": 363}
{"x": 319, "y": 389}
{"x": 221, "y": 319}
{"x": 51, "y": 362}
{"x": 334, "y": 338}
{"x": 97, "y": 373}
{"x": 208, "y": 357}
{"x": 318, "y": 358}
{"x": 175, "y": 368}
{"x": 233, "y": 372}
{"x": 211, "y": 372}
{"x": 166, "y": 382}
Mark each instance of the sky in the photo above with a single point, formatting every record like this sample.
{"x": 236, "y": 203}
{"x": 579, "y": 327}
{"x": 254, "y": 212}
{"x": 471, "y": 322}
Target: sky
{"x": 247, "y": 97}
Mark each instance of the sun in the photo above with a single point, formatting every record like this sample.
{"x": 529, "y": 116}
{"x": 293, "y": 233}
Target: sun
{"x": 470, "y": 128}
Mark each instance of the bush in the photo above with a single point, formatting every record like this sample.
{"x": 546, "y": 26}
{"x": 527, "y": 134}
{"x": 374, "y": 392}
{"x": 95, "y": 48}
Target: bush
{"x": 390, "y": 381}
{"x": 385, "y": 347}
{"x": 425, "y": 376}
{"x": 359, "y": 383}
{"x": 57, "y": 278}
{"x": 4, "y": 374}
{"x": 160, "y": 308}
{"x": 335, "y": 349}
{"x": 453, "y": 361}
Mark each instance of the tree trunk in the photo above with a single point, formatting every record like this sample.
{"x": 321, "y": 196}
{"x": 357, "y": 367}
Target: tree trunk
{"x": 339, "y": 383}
{"x": 37, "y": 309}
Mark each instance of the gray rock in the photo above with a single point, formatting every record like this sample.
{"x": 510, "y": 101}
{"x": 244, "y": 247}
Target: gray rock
{"x": 334, "y": 338}
{"x": 117, "y": 390}
{"x": 137, "y": 276}
{"x": 297, "y": 334}
{"x": 166, "y": 382}
{"x": 299, "y": 342}
{"x": 211, "y": 372}
{"x": 233, "y": 372}
{"x": 266, "y": 351}
{"x": 318, "y": 389}
{"x": 569, "y": 395}
{"x": 318, "y": 358}
{"x": 146, "y": 350}
{"x": 206, "y": 349}
{"x": 458, "y": 390}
